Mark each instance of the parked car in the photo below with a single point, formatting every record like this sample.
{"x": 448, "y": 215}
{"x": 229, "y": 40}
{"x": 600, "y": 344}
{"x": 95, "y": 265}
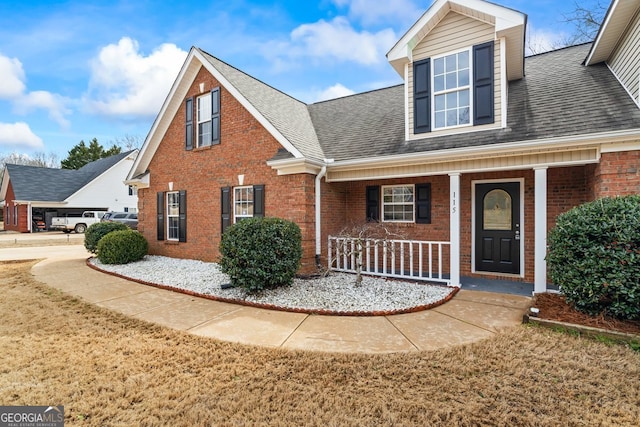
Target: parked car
{"x": 77, "y": 224}
{"x": 128, "y": 218}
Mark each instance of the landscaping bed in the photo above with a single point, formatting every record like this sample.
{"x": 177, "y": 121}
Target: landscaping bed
{"x": 554, "y": 307}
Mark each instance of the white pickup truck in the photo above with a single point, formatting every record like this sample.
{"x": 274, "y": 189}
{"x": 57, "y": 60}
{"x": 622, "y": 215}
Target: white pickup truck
{"x": 77, "y": 224}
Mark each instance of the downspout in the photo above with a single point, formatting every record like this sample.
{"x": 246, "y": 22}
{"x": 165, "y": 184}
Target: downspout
{"x": 319, "y": 177}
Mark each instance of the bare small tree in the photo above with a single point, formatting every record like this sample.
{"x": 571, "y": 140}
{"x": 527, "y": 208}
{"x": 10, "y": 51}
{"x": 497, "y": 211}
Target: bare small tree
{"x": 352, "y": 241}
{"x": 128, "y": 142}
{"x": 585, "y": 18}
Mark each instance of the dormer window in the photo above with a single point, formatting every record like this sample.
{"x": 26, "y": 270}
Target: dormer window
{"x": 451, "y": 90}
{"x": 454, "y": 90}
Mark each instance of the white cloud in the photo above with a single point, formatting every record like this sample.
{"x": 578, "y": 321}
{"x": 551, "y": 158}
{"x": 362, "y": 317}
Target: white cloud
{"x": 335, "y": 91}
{"x": 124, "y": 82}
{"x": 376, "y": 11}
{"x": 19, "y": 135}
{"x": 338, "y": 40}
{"x": 12, "y": 81}
{"x": 12, "y": 87}
{"x": 55, "y": 104}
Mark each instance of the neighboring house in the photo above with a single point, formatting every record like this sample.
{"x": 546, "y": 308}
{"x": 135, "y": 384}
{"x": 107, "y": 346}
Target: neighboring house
{"x": 479, "y": 148}
{"x": 32, "y": 195}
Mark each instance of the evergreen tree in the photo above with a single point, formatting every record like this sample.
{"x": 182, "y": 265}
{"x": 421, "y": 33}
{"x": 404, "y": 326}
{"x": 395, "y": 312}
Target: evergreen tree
{"x": 81, "y": 154}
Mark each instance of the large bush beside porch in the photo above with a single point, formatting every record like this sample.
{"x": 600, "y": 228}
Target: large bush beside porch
{"x": 594, "y": 256}
{"x": 261, "y": 253}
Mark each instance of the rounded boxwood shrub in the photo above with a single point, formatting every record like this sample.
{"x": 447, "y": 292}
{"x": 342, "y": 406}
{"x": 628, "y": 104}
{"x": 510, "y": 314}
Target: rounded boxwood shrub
{"x": 122, "y": 247}
{"x": 594, "y": 256}
{"x": 261, "y": 253}
{"x": 97, "y": 231}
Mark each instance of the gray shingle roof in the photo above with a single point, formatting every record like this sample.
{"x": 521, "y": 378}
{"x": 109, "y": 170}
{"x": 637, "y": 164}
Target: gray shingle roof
{"x": 288, "y": 115}
{"x": 557, "y": 97}
{"x": 56, "y": 185}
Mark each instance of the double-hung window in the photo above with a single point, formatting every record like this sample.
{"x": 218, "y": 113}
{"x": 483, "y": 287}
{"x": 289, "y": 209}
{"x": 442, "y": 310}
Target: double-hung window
{"x": 452, "y": 90}
{"x": 171, "y": 218}
{"x": 242, "y": 203}
{"x": 398, "y": 203}
{"x": 173, "y": 215}
{"x": 207, "y": 120}
{"x": 204, "y": 119}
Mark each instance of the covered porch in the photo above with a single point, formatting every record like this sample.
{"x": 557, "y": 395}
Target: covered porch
{"x": 491, "y": 232}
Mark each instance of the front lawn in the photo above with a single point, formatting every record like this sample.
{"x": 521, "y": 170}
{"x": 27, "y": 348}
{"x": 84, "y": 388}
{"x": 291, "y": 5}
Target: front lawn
{"x": 108, "y": 369}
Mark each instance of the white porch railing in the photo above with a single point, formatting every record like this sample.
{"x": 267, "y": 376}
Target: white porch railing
{"x": 409, "y": 259}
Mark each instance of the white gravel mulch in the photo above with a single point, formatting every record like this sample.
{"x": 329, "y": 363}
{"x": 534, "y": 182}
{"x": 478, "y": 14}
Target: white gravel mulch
{"x": 335, "y": 293}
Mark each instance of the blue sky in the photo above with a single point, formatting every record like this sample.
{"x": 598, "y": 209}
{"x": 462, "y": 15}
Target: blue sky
{"x": 75, "y": 70}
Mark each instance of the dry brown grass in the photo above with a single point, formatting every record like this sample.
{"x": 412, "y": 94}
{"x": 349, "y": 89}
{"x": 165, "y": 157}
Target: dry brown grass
{"x": 108, "y": 369}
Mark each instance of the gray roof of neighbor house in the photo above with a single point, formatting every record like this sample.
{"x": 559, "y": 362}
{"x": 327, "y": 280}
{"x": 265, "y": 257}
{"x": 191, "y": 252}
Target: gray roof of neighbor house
{"x": 288, "y": 115}
{"x": 558, "y": 97}
{"x": 55, "y": 185}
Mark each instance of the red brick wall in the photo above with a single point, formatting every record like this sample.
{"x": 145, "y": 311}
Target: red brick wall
{"x": 245, "y": 147}
{"x": 22, "y": 213}
{"x": 617, "y": 174}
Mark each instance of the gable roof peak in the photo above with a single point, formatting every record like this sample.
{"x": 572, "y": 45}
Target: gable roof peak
{"x": 508, "y": 23}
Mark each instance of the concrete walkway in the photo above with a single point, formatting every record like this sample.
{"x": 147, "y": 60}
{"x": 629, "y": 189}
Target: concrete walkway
{"x": 468, "y": 317}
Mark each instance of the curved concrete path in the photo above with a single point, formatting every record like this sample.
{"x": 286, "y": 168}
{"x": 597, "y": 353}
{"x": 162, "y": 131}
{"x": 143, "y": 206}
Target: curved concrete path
{"x": 468, "y": 317}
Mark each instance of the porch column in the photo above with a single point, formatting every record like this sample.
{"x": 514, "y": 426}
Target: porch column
{"x": 29, "y": 218}
{"x": 454, "y": 228}
{"x": 540, "y": 251}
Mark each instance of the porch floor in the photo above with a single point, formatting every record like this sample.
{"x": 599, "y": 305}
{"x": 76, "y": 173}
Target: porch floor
{"x": 500, "y": 286}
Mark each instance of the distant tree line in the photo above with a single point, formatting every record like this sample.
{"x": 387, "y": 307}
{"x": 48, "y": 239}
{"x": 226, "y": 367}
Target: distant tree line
{"x": 81, "y": 154}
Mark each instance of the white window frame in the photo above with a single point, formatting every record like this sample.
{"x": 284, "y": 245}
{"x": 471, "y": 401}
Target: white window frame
{"x": 133, "y": 190}
{"x": 15, "y": 214}
{"x": 244, "y": 205}
{"x": 173, "y": 215}
{"x": 434, "y": 93}
{"x": 7, "y": 217}
{"x": 203, "y": 115}
{"x": 412, "y": 203}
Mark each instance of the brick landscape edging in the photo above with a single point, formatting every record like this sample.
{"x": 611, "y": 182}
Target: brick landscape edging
{"x": 454, "y": 291}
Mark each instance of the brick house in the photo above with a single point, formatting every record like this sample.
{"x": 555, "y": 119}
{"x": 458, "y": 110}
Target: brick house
{"x": 30, "y": 196}
{"x": 472, "y": 157}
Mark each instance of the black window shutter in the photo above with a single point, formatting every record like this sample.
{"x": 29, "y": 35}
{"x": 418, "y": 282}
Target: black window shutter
{"x": 225, "y": 207}
{"x": 188, "y": 130}
{"x": 373, "y": 203}
{"x": 215, "y": 116}
{"x": 483, "y": 110}
{"x": 421, "y": 96}
{"x": 160, "y": 215}
{"x": 182, "y": 216}
{"x": 423, "y": 203}
{"x": 258, "y": 201}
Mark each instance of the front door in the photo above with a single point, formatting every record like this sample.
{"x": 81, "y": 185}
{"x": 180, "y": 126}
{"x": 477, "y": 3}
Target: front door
{"x": 497, "y": 224}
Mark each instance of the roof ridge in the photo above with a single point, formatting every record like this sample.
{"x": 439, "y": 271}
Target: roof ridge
{"x": 557, "y": 49}
{"x": 357, "y": 94}
{"x": 250, "y": 76}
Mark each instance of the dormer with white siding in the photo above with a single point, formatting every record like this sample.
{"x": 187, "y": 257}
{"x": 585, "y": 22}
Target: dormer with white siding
{"x": 618, "y": 44}
{"x": 456, "y": 62}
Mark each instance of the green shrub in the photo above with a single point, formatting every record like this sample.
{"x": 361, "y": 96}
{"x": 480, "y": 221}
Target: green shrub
{"x": 97, "y": 231}
{"x": 261, "y": 253}
{"x": 594, "y": 256}
{"x": 122, "y": 247}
